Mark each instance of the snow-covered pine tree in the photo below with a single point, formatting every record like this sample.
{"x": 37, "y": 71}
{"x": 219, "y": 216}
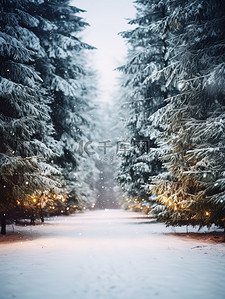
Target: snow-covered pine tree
{"x": 148, "y": 53}
{"x": 108, "y": 130}
{"x": 24, "y": 112}
{"x": 87, "y": 172}
{"x": 65, "y": 75}
{"x": 194, "y": 192}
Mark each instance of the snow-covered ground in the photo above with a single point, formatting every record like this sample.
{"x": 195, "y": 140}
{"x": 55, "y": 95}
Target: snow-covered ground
{"x": 108, "y": 254}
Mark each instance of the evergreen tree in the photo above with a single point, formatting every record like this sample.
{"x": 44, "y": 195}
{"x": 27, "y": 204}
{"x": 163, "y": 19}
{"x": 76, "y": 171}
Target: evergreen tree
{"x": 194, "y": 190}
{"x": 66, "y": 77}
{"x": 24, "y": 112}
{"x": 148, "y": 53}
{"x": 87, "y": 172}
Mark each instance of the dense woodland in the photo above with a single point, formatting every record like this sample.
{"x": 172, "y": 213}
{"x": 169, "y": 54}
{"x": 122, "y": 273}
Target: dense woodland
{"x": 172, "y": 111}
{"x": 47, "y": 92}
{"x": 173, "y": 84}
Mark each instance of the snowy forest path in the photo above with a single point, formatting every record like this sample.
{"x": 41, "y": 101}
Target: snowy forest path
{"x": 109, "y": 254}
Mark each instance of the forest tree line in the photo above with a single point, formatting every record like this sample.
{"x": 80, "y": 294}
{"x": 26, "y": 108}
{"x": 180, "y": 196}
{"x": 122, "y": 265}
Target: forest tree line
{"x": 46, "y": 93}
{"x": 174, "y": 90}
{"x": 172, "y": 97}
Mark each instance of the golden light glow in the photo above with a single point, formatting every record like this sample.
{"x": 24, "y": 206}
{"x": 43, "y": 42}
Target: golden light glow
{"x": 34, "y": 200}
{"x": 207, "y": 213}
{"x": 18, "y": 202}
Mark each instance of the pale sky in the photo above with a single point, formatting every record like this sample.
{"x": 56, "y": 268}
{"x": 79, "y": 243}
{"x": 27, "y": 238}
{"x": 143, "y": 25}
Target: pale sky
{"x": 106, "y": 18}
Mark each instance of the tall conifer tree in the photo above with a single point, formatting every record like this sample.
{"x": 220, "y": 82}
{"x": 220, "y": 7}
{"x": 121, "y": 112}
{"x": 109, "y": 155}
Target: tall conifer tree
{"x": 193, "y": 193}
{"x": 24, "y": 111}
{"x": 148, "y": 53}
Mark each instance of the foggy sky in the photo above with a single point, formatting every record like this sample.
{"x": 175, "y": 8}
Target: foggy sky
{"x": 106, "y": 18}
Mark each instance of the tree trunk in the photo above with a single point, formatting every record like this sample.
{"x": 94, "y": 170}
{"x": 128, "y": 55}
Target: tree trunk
{"x": 42, "y": 216}
{"x": 32, "y": 220}
{"x": 3, "y": 223}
